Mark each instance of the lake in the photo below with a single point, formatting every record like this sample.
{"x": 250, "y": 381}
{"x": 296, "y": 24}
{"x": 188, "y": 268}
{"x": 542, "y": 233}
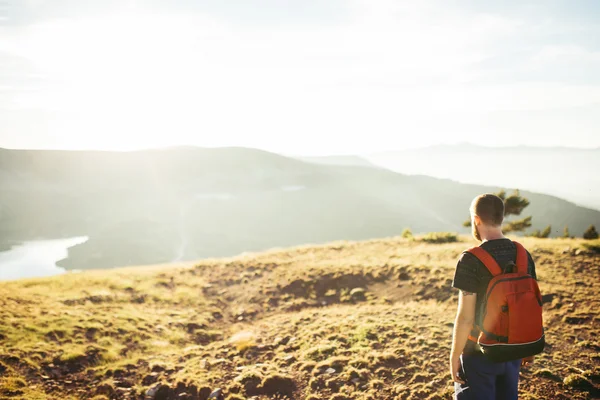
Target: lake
{"x": 36, "y": 258}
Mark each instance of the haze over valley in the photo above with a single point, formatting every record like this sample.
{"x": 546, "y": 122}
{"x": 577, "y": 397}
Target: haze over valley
{"x": 178, "y": 204}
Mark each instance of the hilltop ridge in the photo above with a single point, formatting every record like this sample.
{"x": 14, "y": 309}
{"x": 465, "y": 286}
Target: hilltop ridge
{"x": 346, "y": 320}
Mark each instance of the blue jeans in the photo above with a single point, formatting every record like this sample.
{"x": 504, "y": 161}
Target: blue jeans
{"x": 486, "y": 380}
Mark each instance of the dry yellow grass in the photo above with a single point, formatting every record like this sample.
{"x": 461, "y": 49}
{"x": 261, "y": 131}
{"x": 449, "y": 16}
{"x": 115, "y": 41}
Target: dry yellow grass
{"x": 367, "y": 320}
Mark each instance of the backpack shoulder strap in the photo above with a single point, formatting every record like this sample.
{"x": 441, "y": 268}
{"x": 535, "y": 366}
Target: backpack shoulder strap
{"x": 487, "y": 260}
{"x": 522, "y": 259}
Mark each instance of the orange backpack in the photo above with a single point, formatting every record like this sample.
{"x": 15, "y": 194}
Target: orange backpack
{"x": 510, "y": 324}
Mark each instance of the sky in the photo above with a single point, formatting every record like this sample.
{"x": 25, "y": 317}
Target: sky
{"x": 309, "y": 77}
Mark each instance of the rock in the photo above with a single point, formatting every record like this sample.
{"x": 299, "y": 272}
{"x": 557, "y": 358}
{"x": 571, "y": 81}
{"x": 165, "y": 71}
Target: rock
{"x": 118, "y": 373}
{"x": 205, "y": 364}
{"x": 105, "y": 389}
{"x": 204, "y": 392}
{"x": 547, "y": 298}
{"x": 158, "y": 392}
{"x": 281, "y": 341}
{"x": 330, "y": 371}
{"x": 250, "y": 382}
{"x": 358, "y": 294}
{"x": 123, "y": 393}
{"x": 123, "y": 384}
{"x": 192, "y": 327}
{"x": 150, "y": 379}
{"x": 180, "y": 387}
{"x": 574, "y": 320}
{"x": 220, "y": 361}
{"x": 217, "y": 394}
{"x": 158, "y": 368}
{"x": 289, "y": 359}
{"x": 278, "y": 384}
{"x": 151, "y": 392}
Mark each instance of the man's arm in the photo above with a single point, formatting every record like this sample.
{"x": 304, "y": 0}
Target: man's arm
{"x": 465, "y": 317}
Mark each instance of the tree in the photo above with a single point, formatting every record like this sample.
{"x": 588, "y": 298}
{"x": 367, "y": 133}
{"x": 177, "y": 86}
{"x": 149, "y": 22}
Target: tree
{"x": 590, "y": 233}
{"x": 407, "y": 233}
{"x": 546, "y": 232}
{"x": 513, "y": 205}
{"x": 535, "y": 234}
{"x": 566, "y": 233}
{"x": 543, "y": 234}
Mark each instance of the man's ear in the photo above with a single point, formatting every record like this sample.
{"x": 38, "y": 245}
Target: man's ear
{"x": 476, "y": 220}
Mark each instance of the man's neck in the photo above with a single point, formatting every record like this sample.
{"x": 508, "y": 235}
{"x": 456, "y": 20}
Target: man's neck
{"x": 493, "y": 235}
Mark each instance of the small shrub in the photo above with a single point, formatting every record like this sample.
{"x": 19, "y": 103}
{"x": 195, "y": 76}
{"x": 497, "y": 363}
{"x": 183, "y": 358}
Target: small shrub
{"x": 363, "y": 334}
{"x": 14, "y": 383}
{"x": 546, "y": 232}
{"x": 407, "y": 234}
{"x": 590, "y": 233}
{"x": 541, "y": 234}
{"x": 577, "y": 381}
{"x": 340, "y": 396}
{"x": 593, "y": 246}
{"x": 546, "y": 373}
{"x": 321, "y": 352}
{"x": 440, "y": 237}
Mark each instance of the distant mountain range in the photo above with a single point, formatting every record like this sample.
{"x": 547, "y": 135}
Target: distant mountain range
{"x": 187, "y": 203}
{"x": 569, "y": 173}
{"x": 347, "y": 160}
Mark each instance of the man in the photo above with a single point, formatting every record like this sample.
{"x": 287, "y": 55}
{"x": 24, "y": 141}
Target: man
{"x": 474, "y": 376}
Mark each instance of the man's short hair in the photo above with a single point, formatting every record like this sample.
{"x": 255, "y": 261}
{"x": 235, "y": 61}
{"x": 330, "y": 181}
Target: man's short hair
{"x": 488, "y": 207}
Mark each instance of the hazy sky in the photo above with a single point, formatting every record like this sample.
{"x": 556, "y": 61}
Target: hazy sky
{"x": 299, "y": 76}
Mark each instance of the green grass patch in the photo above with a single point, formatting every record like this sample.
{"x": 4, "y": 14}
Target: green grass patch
{"x": 440, "y": 237}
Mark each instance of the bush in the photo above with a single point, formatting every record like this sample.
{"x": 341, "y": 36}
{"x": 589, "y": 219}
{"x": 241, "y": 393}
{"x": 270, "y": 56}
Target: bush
{"x": 440, "y": 237}
{"x": 546, "y": 232}
{"x": 593, "y": 246}
{"x": 535, "y": 234}
{"x": 590, "y": 233}
{"x": 543, "y": 234}
{"x": 407, "y": 233}
{"x": 577, "y": 381}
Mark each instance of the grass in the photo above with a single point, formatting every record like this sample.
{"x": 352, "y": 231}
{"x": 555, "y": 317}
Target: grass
{"x": 440, "y": 237}
{"x": 363, "y": 320}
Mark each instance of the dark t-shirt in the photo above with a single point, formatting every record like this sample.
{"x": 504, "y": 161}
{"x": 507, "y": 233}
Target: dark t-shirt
{"x": 473, "y": 277}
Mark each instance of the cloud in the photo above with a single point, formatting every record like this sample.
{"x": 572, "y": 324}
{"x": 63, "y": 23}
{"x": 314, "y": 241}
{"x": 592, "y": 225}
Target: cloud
{"x": 384, "y": 68}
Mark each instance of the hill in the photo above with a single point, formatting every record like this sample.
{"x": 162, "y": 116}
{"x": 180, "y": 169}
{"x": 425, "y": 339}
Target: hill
{"x": 560, "y": 171}
{"x": 347, "y": 320}
{"x": 170, "y": 205}
{"x": 347, "y": 160}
